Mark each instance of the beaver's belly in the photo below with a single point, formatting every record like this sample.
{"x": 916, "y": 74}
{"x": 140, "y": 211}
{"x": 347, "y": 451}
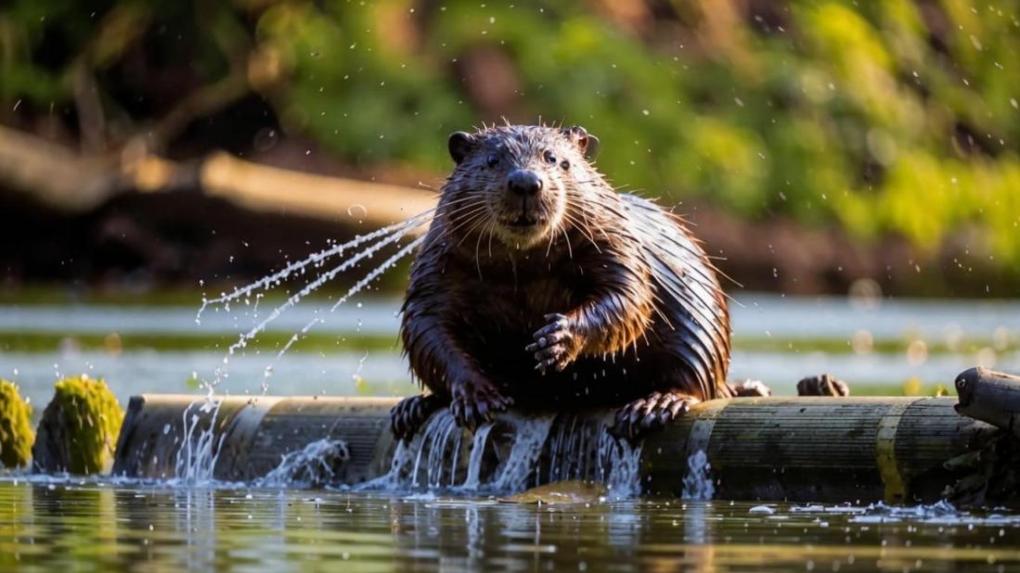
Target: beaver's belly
{"x": 507, "y": 313}
{"x": 588, "y": 381}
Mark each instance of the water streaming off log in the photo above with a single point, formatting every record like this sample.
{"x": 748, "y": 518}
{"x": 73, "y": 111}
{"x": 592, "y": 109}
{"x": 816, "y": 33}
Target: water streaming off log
{"x": 315, "y": 465}
{"x": 220, "y": 440}
{"x": 511, "y": 455}
{"x": 200, "y": 444}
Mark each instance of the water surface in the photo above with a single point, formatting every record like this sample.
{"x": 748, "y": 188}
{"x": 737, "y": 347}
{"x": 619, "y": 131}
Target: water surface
{"x": 58, "y": 522}
{"x": 96, "y": 526}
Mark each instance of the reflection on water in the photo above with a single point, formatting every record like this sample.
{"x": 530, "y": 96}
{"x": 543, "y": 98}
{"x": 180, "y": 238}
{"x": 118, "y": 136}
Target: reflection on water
{"x": 98, "y": 526}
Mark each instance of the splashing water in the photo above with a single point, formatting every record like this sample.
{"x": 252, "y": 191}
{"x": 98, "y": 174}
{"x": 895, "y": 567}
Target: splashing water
{"x": 315, "y": 465}
{"x": 196, "y": 459}
{"x": 473, "y": 479}
{"x": 698, "y": 484}
{"x": 623, "y": 459}
{"x": 281, "y": 276}
{"x": 516, "y": 468}
{"x": 199, "y": 451}
{"x": 938, "y": 513}
{"x": 243, "y": 340}
{"x": 583, "y": 449}
{"x": 446, "y": 437}
{"x": 509, "y": 456}
{"x": 420, "y": 462}
{"x": 358, "y": 287}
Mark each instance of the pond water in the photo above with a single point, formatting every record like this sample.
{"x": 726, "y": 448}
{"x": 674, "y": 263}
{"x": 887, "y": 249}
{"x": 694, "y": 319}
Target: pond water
{"x": 99, "y": 526}
{"x": 887, "y": 346}
{"x": 893, "y": 347}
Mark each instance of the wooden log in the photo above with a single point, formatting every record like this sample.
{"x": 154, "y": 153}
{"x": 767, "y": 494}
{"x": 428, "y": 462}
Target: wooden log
{"x": 53, "y": 174}
{"x": 266, "y": 188}
{"x": 990, "y": 396}
{"x": 817, "y": 449}
{"x": 251, "y": 434}
{"x": 798, "y": 449}
{"x": 65, "y": 180}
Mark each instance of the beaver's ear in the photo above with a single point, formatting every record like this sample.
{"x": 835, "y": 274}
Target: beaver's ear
{"x": 588, "y": 143}
{"x": 461, "y": 143}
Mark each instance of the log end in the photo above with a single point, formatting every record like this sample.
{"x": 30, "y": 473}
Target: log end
{"x": 965, "y": 383}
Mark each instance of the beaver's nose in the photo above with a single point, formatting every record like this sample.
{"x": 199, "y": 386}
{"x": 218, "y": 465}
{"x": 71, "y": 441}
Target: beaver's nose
{"x": 524, "y": 182}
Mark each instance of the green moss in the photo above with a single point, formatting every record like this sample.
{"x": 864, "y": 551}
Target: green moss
{"x": 95, "y": 416}
{"x": 79, "y": 429}
{"x": 16, "y": 435}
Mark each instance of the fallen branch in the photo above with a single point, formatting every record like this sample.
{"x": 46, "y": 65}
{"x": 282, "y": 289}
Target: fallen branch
{"x": 62, "y": 179}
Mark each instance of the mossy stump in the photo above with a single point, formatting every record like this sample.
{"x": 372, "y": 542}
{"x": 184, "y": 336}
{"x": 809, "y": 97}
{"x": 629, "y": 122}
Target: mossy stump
{"x": 79, "y": 428}
{"x": 16, "y": 435}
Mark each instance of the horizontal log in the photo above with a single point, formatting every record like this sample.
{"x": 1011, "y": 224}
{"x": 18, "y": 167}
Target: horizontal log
{"x": 63, "y": 179}
{"x": 53, "y": 174}
{"x": 804, "y": 449}
{"x": 265, "y": 188}
{"x": 818, "y": 449}
{"x": 250, "y": 435}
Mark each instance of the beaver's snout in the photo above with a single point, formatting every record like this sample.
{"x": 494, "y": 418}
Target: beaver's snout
{"x": 524, "y": 182}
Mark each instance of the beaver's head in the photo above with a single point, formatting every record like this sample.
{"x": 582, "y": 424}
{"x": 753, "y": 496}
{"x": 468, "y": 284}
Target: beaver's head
{"x": 513, "y": 181}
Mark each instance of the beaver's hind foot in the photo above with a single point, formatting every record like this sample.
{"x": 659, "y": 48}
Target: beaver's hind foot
{"x": 410, "y": 413}
{"x": 474, "y": 403}
{"x": 650, "y": 413}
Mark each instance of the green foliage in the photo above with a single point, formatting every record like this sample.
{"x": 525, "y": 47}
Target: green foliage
{"x": 847, "y": 114}
{"x": 887, "y": 117}
{"x": 90, "y": 417}
{"x": 16, "y": 435}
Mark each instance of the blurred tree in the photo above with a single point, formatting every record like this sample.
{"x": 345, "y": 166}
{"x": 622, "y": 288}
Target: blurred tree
{"x": 888, "y": 117}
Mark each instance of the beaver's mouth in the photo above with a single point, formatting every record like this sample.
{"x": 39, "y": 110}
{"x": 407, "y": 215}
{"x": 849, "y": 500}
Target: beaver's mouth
{"x": 526, "y": 218}
{"x": 524, "y": 221}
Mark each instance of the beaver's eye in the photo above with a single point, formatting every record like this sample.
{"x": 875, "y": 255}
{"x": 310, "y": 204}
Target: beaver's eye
{"x": 565, "y": 165}
{"x": 550, "y": 158}
{"x": 492, "y": 161}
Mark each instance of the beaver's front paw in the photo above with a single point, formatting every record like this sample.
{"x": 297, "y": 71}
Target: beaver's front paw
{"x": 556, "y": 344}
{"x": 650, "y": 413}
{"x": 475, "y": 402}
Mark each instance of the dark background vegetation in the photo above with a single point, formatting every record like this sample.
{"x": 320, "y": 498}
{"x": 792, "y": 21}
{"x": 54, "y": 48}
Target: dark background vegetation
{"x": 812, "y": 143}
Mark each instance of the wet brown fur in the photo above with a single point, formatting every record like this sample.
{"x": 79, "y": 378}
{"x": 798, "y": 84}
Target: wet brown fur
{"x": 578, "y": 289}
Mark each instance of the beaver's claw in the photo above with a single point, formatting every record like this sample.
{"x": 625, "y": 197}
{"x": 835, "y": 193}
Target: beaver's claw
{"x": 650, "y": 413}
{"x": 410, "y": 413}
{"x": 556, "y": 345}
{"x": 474, "y": 404}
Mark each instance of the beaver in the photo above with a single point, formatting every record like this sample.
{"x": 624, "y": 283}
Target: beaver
{"x": 539, "y": 285}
